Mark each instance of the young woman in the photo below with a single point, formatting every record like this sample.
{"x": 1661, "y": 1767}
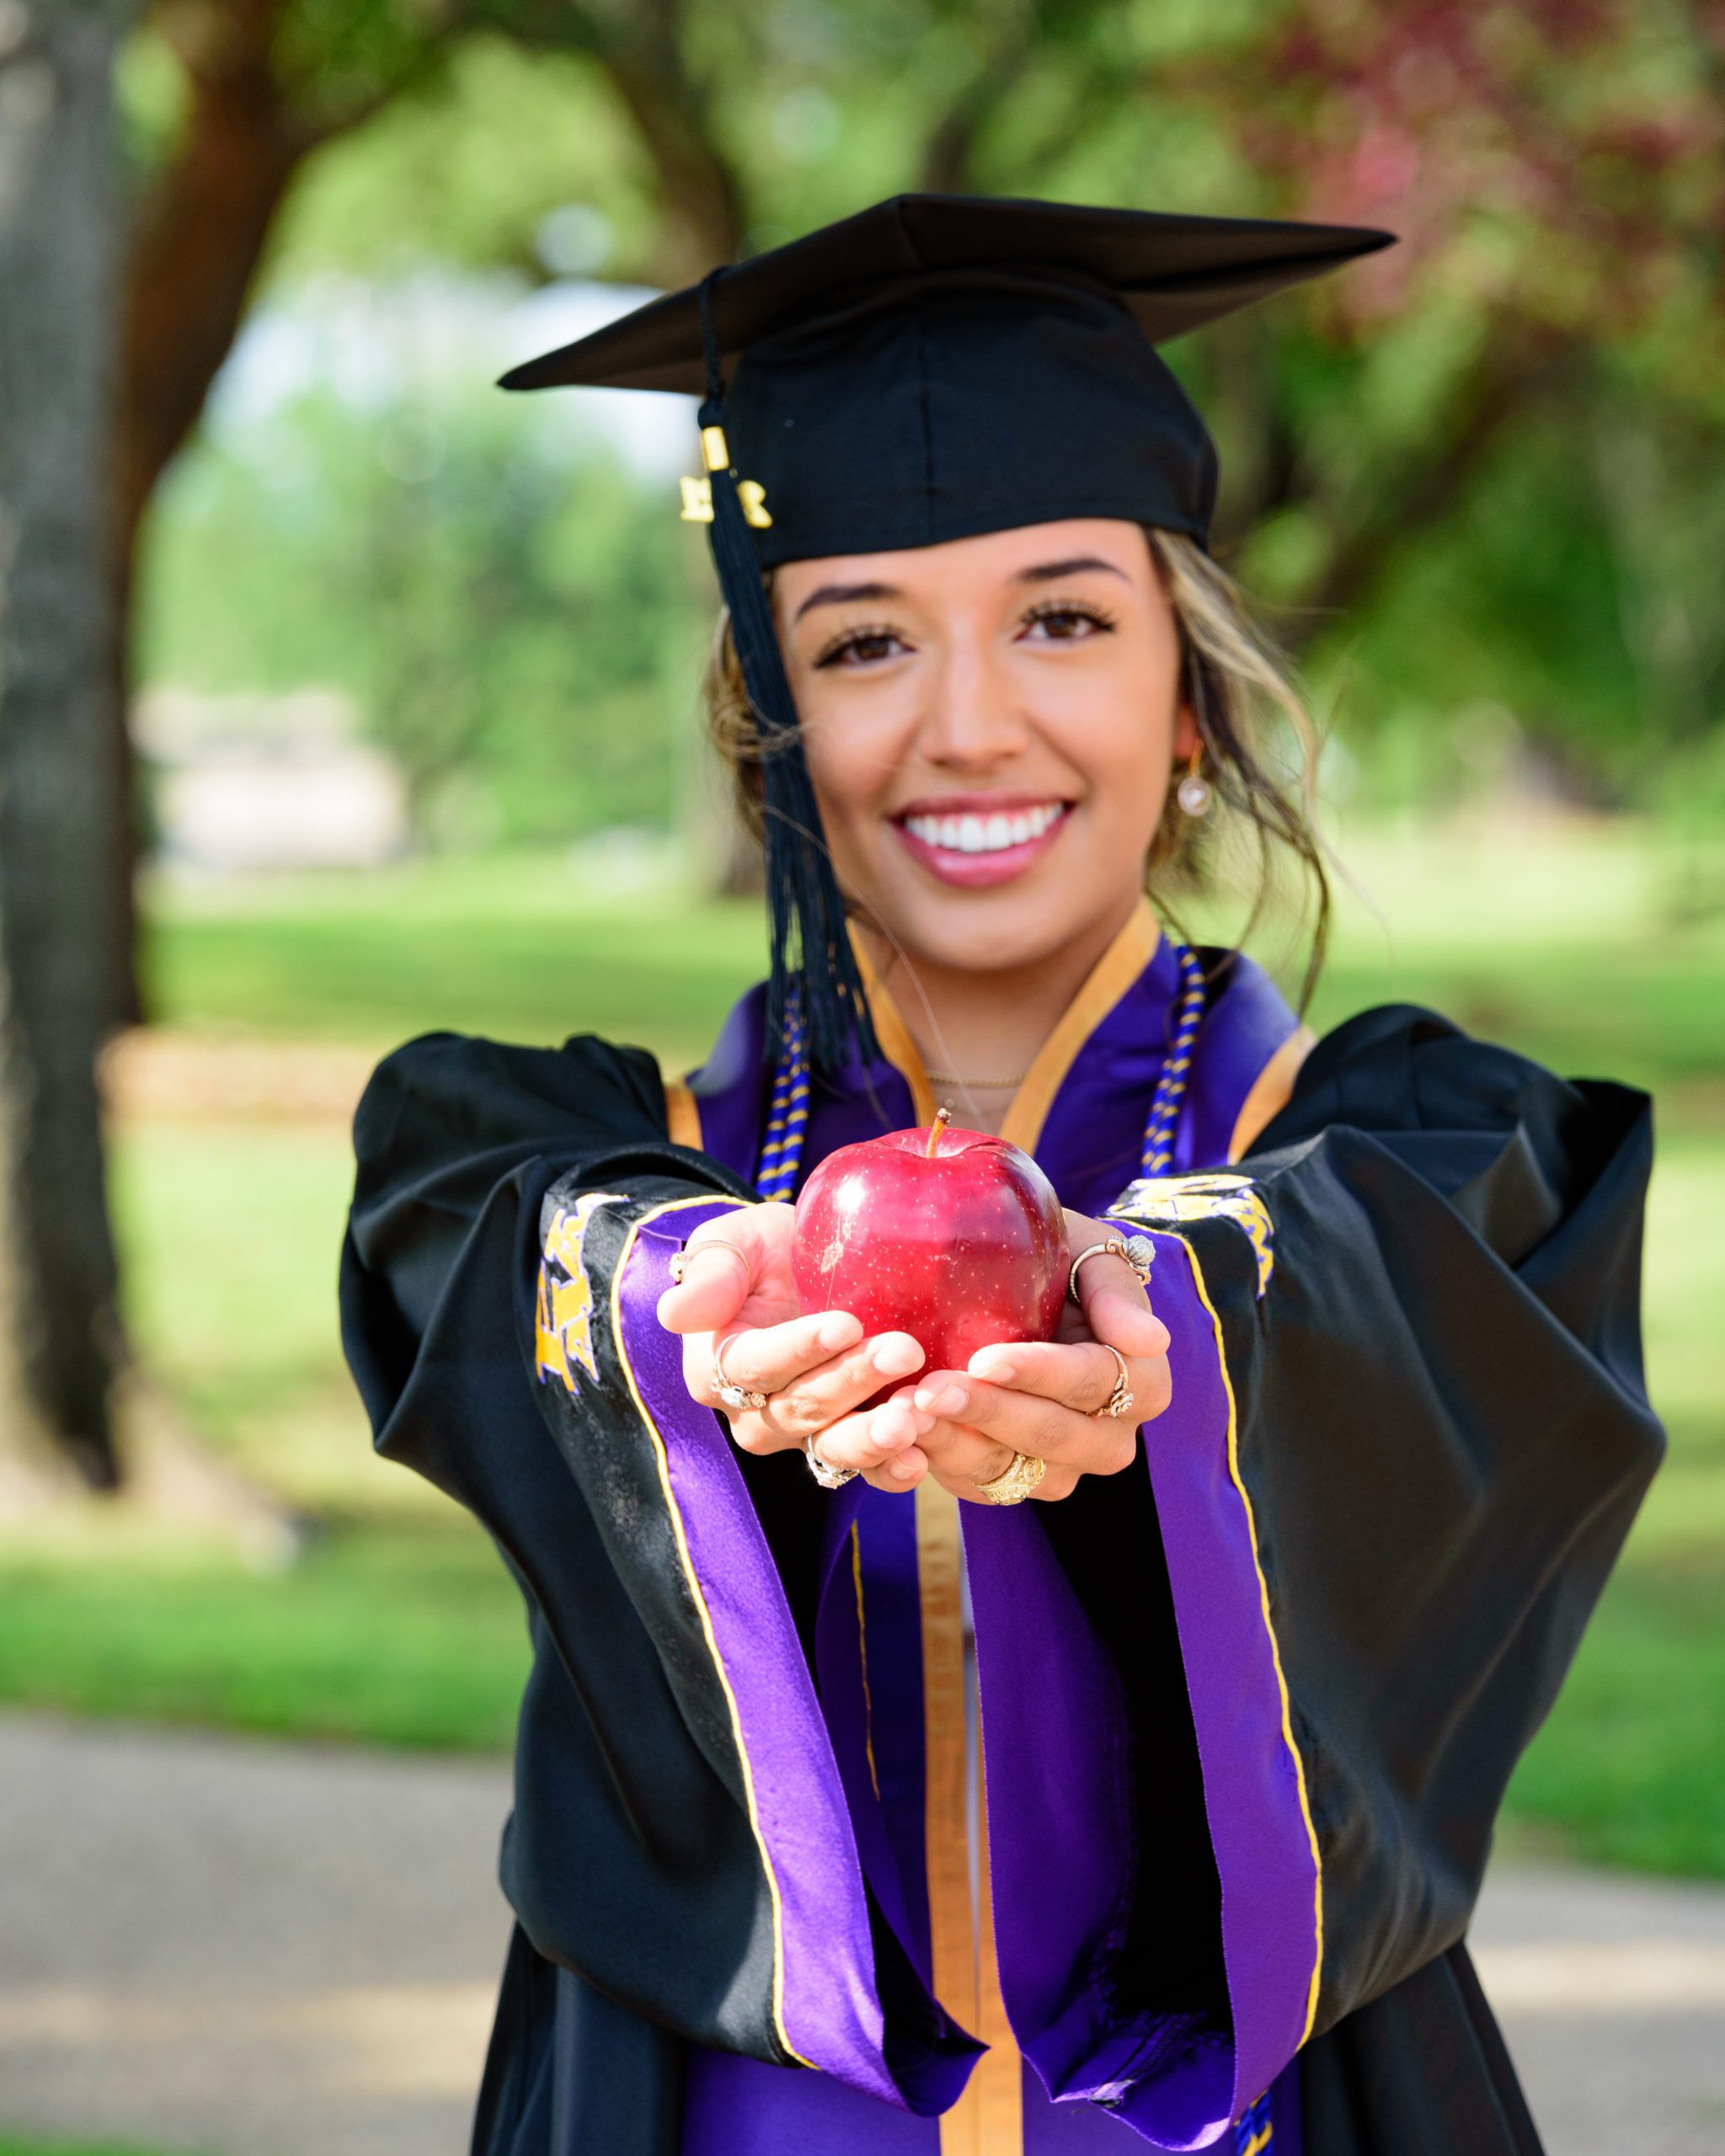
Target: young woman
{"x": 862, "y": 1807}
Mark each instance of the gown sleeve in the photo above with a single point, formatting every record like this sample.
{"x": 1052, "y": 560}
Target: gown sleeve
{"x": 679, "y": 1839}
{"x": 1250, "y": 1708}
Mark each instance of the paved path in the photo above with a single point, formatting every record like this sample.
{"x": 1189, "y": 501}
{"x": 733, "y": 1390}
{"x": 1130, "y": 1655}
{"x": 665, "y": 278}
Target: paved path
{"x": 262, "y": 1949}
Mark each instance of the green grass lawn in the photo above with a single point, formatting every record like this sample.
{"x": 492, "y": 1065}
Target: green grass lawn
{"x": 398, "y": 1623}
{"x": 402, "y": 1632}
{"x": 11, "y": 2146}
{"x": 523, "y": 949}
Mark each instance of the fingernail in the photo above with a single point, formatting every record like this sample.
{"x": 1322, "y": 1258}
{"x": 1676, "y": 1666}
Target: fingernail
{"x": 994, "y": 1373}
{"x": 896, "y": 1356}
{"x": 948, "y": 1401}
{"x": 837, "y": 1331}
{"x": 906, "y": 1466}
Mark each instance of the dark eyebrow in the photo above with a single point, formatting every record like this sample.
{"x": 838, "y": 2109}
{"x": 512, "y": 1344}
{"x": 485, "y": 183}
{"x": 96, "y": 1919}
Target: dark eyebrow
{"x": 1052, "y": 572}
{"x": 835, "y": 595}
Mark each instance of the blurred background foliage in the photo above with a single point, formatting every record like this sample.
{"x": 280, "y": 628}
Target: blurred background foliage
{"x": 1476, "y": 482}
{"x": 1479, "y": 471}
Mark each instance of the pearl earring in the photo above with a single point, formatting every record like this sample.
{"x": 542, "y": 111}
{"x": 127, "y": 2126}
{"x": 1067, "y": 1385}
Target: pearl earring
{"x": 1193, "y": 793}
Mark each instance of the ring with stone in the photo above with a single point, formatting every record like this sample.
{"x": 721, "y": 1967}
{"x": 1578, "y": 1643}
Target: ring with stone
{"x": 1138, "y": 1251}
{"x": 1120, "y": 1401}
{"x": 740, "y": 1399}
{"x": 827, "y": 1476}
{"x": 680, "y": 1258}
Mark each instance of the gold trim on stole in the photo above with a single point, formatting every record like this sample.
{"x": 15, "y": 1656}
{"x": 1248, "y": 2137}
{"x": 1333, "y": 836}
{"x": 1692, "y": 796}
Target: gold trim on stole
{"x": 1108, "y": 979}
{"x": 894, "y": 1035}
{"x": 987, "y": 2120}
{"x": 863, "y": 1655}
{"x": 1288, "y": 1738}
{"x": 1118, "y": 967}
{"x": 1270, "y": 1089}
{"x": 661, "y": 1459}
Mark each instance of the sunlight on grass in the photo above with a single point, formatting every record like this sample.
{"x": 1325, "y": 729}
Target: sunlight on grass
{"x": 403, "y": 1634}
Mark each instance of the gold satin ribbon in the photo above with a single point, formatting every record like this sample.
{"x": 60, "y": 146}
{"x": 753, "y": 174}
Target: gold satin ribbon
{"x": 988, "y": 2118}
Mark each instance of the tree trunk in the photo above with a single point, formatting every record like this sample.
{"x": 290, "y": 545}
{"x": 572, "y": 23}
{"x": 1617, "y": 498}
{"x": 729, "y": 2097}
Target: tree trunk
{"x": 197, "y": 238}
{"x": 59, "y": 214}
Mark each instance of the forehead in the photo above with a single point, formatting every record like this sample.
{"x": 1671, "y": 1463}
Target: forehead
{"x": 1109, "y": 545}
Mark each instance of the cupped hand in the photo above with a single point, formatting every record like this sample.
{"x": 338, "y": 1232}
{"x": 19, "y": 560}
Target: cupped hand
{"x": 738, "y": 1296}
{"x": 1041, "y": 1397}
{"x": 963, "y": 1426}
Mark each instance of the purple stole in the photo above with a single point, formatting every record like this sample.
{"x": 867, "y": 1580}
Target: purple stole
{"x": 890, "y": 1677}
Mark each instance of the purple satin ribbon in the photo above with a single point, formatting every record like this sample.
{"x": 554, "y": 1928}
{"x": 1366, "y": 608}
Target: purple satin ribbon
{"x": 1055, "y": 1744}
{"x": 830, "y": 2014}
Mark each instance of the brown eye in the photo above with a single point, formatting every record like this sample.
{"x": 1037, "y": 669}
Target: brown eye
{"x": 1064, "y": 623}
{"x": 861, "y": 647}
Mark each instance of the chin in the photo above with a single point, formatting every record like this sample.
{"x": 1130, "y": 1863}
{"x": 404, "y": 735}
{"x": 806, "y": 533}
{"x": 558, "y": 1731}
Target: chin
{"x": 992, "y": 931}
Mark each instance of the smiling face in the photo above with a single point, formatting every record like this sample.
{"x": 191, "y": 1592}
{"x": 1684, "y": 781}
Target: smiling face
{"x": 990, "y": 725}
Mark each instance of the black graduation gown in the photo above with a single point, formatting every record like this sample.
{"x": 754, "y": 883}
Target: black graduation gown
{"x": 1284, "y": 1669}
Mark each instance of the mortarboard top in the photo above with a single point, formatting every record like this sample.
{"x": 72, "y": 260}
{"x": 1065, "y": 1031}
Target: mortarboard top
{"x": 939, "y": 366}
{"x": 931, "y": 368}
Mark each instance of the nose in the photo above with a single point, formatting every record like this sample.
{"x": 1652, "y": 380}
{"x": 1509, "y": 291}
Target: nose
{"x": 973, "y": 722}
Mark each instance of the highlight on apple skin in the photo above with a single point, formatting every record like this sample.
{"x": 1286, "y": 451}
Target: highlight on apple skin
{"x": 953, "y": 1236}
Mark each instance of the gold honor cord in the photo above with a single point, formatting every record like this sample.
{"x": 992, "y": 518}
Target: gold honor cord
{"x": 987, "y": 2120}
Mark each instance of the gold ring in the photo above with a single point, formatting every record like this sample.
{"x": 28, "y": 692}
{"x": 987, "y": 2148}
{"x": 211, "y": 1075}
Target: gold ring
{"x": 1120, "y": 1401}
{"x": 1015, "y": 1481}
{"x": 1138, "y": 1251}
{"x": 740, "y": 1399}
{"x": 680, "y": 1258}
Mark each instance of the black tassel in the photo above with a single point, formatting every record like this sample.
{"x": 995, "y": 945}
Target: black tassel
{"x": 810, "y": 949}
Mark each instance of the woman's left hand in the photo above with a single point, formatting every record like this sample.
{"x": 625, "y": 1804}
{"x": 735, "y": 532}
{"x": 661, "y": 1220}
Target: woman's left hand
{"x": 1041, "y": 1396}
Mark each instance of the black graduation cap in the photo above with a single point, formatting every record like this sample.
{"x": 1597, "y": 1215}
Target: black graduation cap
{"x": 933, "y": 367}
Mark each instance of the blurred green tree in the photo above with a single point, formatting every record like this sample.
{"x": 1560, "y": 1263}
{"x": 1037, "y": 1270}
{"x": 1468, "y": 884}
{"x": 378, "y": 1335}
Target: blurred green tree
{"x": 238, "y": 94}
{"x": 1555, "y": 169}
{"x": 498, "y": 596}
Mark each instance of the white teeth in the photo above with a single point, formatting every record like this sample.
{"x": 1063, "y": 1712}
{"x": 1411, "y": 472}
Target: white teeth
{"x": 972, "y": 834}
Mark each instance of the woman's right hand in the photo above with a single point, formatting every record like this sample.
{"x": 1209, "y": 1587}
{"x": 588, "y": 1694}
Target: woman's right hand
{"x": 738, "y": 1292}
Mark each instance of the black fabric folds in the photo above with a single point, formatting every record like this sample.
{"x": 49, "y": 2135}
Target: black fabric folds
{"x": 1445, "y": 1429}
{"x": 1442, "y": 1426}
{"x": 628, "y": 1857}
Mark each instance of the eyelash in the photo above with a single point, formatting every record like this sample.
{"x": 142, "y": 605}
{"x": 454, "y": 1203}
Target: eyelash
{"x": 848, "y": 639}
{"x": 1045, "y": 610}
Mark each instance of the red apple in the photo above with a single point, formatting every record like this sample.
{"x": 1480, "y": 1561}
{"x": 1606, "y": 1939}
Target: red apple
{"x": 951, "y": 1236}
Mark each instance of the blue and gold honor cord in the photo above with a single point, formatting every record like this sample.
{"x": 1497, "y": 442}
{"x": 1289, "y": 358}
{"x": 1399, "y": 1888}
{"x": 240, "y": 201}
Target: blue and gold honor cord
{"x": 1253, "y": 2133}
{"x": 1170, "y": 1094}
{"x": 780, "y": 1164}
{"x": 787, "y": 1111}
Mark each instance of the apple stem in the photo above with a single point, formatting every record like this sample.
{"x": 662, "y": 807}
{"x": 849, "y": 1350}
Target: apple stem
{"x": 942, "y": 1116}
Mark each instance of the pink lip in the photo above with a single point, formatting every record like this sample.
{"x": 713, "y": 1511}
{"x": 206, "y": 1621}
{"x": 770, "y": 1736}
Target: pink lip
{"x": 979, "y": 872}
